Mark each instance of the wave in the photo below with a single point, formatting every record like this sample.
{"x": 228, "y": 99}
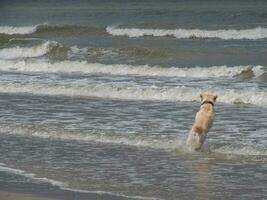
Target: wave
{"x": 11, "y": 30}
{"x": 124, "y": 69}
{"x": 22, "y": 41}
{"x": 93, "y": 136}
{"x": 152, "y": 93}
{"x": 252, "y": 34}
{"x": 28, "y": 52}
{"x": 143, "y": 141}
{"x": 54, "y": 29}
{"x": 70, "y": 29}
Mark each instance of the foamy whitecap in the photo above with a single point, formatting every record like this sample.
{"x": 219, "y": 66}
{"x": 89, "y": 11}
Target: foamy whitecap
{"x": 27, "y": 52}
{"x": 253, "y": 34}
{"x": 232, "y": 96}
{"x": 10, "y": 30}
{"x": 124, "y": 69}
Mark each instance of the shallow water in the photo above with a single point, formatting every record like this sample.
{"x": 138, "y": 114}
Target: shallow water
{"x": 99, "y": 97}
{"x": 135, "y": 148}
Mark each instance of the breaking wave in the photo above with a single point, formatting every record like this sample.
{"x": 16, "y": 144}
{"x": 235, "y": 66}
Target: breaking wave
{"x": 121, "y": 69}
{"x": 28, "y": 52}
{"x": 252, "y": 34}
{"x": 153, "y": 93}
{"x": 47, "y": 28}
{"x": 11, "y": 30}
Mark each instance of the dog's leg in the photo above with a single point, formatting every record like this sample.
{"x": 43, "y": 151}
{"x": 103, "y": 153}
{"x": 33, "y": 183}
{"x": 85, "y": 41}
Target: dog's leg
{"x": 195, "y": 141}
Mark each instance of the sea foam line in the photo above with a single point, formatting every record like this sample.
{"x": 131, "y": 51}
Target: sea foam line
{"x": 152, "y": 93}
{"x": 63, "y": 186}
{"x": 32, "y": 176}
{"x": 27, "y": 52}
{"x": 124, "y": 69}
{"x": 252, "y": 34}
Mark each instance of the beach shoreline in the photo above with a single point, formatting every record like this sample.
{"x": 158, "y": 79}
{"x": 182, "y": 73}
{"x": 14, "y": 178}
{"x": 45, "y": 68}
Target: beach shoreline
{"x": 7, "y": 195}
{"x": 12, "y": 194}
{"x": 15, "y": 190}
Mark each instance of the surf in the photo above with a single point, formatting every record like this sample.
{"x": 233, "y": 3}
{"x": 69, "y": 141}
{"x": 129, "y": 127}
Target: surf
{"x": 230, "y": 34}
{"x": 11, "y": 30}
{"x": 51, "y": 28}
{"x": 172, "y": 143}
{"x": 137, "y": 93}
{"x": 113, "y": 69}
{"x": 28, "y": 52}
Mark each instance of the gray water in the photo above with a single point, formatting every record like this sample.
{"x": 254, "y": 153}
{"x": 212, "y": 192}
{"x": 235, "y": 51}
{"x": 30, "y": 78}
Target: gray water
{"x": 98, "y": 97}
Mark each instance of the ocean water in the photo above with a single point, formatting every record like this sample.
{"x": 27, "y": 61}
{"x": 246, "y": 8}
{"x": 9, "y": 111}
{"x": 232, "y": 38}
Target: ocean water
{"x": 98, "y": 97}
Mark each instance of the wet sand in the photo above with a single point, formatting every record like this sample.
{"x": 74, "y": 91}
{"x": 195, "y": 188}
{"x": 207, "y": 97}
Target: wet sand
{"x": 20, "y": 196}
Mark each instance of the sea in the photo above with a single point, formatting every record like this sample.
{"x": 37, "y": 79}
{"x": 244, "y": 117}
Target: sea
{"x": 97, "y": 97}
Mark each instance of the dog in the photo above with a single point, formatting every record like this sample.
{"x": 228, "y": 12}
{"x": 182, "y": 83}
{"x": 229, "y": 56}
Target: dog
{"x": 203, "y": 122}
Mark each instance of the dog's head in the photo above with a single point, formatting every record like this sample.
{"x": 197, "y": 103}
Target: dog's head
{"x": 208, "y": 98}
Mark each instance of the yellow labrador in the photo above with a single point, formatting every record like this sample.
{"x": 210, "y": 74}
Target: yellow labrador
{"x": 203, "y": 122}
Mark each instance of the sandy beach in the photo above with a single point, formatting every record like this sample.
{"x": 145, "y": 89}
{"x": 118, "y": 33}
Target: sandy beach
{"x": 20, "y": 196}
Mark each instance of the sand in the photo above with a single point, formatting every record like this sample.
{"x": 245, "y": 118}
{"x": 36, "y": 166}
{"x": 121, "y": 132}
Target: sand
{"x": 20, "y": 196}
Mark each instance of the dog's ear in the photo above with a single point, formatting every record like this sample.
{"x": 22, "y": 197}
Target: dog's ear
{"x": 214, "y": 98}
{"x": 201, "y": 97}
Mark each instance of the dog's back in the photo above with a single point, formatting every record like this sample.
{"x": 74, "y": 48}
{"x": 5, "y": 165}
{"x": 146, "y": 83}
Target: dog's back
{"x": 203, "y": 122}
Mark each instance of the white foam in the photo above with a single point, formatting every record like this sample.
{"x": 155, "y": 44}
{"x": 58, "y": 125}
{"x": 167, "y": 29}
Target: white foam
{"x": 121, "y": 69}
{"x": 246, "y": 150}
{"x": 112, "y": 193}
{"x": 97, "y": 137}
{"x": 76, "y": 50}
{"x": 152, "y": 93}
{"x": 258, "y": 70}
{"x": 253, "y": 34}
{"x": 10, "y": 30}
{"x": 27, "y": 52}
{"x": 162, "y": 143}
{"x": 31, "y": 176}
